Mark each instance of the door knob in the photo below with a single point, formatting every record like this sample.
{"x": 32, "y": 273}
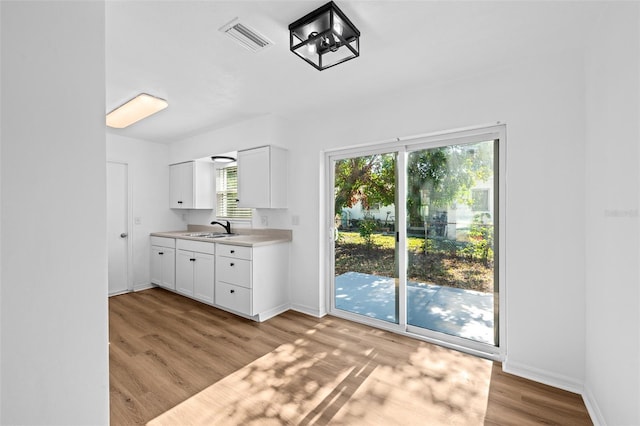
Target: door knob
{"x": 124, "y": 235}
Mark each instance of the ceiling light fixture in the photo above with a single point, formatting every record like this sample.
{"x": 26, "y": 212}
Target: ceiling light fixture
{"x": 134, "y": 110}
{"x": 222, "y": 159}
{"x": 324, "y": 37}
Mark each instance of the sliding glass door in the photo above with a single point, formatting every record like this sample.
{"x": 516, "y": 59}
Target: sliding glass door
{"x": 365, "y": 250}
{"x": 415, "y": 239}
{"x": 451, "y": 211}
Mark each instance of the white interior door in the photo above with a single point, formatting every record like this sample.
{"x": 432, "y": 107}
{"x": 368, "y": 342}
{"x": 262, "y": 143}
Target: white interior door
{"x": 118, "y": 227}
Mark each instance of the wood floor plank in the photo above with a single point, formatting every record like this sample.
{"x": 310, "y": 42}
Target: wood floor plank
{"x": 174, "y": 361}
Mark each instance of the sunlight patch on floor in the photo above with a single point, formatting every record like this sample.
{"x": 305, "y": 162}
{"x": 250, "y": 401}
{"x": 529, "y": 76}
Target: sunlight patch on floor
{"x": 300, "y": 383}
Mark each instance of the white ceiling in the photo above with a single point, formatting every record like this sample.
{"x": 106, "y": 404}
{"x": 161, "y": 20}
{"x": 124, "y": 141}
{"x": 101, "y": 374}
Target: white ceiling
{"x": 173, "y": 49}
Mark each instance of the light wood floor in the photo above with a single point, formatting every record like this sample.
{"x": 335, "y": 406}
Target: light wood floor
{"x": 174, "y": 361}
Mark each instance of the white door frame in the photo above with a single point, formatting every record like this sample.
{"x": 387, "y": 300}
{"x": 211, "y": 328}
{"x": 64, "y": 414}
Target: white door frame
{"x": 129, "y": 224}
{"x": 402, "y": 146}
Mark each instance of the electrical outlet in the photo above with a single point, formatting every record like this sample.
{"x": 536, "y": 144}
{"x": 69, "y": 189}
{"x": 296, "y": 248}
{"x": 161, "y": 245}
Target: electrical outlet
{"x": 295, "y": 220}
{"x": 137, "y": 220}
{"x": 264, "y": 220}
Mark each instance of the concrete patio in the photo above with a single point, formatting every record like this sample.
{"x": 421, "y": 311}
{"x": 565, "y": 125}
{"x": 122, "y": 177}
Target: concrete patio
{"x": 457, "y": 312}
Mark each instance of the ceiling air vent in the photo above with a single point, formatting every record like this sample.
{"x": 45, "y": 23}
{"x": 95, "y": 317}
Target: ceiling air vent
{"x": 247, "y": 37}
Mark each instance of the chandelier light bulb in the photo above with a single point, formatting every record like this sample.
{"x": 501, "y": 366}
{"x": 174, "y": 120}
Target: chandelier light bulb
{"x": 312, "y": 46}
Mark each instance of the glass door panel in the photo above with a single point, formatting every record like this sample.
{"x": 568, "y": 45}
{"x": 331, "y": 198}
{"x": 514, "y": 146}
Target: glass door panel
{"x": 365, "y": 247}
{"x": 451, "y": 217}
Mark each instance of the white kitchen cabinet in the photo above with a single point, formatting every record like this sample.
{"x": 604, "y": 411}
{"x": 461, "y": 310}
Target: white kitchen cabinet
{"x": 195, "y": 269}
{"x": 252, "y": 280}
{"x": 192, "y": 185}
{"x": 163, "y": 262}
{"x": 262, "y": 178}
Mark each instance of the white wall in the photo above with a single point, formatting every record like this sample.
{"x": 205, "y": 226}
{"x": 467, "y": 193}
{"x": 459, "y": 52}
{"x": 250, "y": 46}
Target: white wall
{"x": 53, "y": 287}
{"x": 612, "y": 251}
{"x": 247, "y": 134}
{"x": 148, "y": 166}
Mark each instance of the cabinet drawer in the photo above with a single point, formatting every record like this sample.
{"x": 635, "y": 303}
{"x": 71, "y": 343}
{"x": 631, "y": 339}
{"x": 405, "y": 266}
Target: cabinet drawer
{"x": 239, "y": 252}
{"x": 233, "y": 271}
{"x": 234, "y": 297}
{"x": 197, "y": 246}
{"x": 163, "y": 242}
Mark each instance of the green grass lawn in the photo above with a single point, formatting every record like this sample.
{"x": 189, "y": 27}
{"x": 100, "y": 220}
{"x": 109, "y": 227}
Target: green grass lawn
{"x": 441, "y": 264}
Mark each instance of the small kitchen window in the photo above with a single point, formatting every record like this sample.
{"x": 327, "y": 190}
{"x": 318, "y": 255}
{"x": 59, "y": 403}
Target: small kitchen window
{"x": 227, "y": 195}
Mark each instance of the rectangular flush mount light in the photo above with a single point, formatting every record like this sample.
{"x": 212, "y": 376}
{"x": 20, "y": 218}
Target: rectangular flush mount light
{"x": 142, "y": 106}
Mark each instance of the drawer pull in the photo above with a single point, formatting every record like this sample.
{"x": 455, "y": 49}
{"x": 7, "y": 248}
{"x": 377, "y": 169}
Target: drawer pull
{"x": 231, "y": 264}
{"x": 233, "y": 251}
{"x": 193, "y": 260}
{"x": 232, "y": 291}
{"x": 161, "y": 253}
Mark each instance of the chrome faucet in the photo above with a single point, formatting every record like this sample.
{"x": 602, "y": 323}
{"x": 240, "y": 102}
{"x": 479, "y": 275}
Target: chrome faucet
{"x": 226, "y": 227}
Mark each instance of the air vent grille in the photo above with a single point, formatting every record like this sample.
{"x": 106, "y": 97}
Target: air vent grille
{"x": 245, "y": 36}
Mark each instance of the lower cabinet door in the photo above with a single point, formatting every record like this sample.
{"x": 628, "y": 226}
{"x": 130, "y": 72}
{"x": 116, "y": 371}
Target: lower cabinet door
{"x": 234, "y": 297}
{"x": 156, "y": 264}
{"x": 203, "y": 276}
{"x": 184, "y": 272}
{"x": 169, "y": 268}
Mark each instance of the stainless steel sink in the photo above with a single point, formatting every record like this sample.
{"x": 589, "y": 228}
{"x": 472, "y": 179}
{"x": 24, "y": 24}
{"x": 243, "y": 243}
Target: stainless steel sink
{"x": 210, "y": 234}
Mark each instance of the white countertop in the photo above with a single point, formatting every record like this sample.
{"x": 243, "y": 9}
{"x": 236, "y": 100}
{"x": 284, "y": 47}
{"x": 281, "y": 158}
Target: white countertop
{"x": 245, "y": 238}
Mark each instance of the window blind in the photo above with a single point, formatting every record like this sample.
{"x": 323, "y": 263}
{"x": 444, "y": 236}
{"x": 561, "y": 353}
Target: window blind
{"x": 227, "y": 195}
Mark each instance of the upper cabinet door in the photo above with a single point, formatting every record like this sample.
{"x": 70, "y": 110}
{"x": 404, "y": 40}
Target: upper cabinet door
{"x": 204, "y": 185}
{"x": 192, "y": 185}
{"x": 253, "y": 178}
{"x": 262, "y": 178}
{"x": 181, "y": 189}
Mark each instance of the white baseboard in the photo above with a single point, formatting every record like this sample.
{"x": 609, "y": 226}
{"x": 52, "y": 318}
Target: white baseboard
{"x": 136, "y": 287}
{"x": 592, "y": 407}
{"x": 273, "y": 312}
{"x": 546, "y": 377}
{"x": 307, "y": 310}
{"x": 143, "y": 286}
